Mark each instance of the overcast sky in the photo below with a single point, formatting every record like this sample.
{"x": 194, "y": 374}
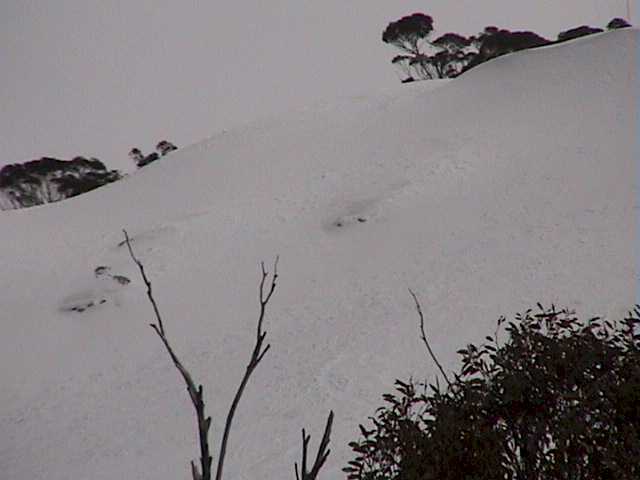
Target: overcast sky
{"x": 97, "y": 77}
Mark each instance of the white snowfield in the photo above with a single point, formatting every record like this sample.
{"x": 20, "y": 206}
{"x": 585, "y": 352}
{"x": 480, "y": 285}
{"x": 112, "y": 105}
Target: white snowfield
{"x": 513, "y": 184}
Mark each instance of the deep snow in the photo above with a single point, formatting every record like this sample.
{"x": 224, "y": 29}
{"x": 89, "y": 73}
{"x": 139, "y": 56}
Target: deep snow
{"x": 513, "y": 184}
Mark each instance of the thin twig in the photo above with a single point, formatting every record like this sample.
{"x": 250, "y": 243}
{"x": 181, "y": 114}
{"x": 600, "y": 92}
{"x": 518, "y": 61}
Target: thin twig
{"x": 146, "y": 282}
{"x": 321, "y": 456}
{"x": 196, "y": 394}
{"x": 424, "y": 336}
{"x": 256, "y": 356}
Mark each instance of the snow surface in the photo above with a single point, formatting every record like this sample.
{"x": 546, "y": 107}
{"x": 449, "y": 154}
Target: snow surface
{"x": 97, "y": 78}
{"x": 512, "y": 184}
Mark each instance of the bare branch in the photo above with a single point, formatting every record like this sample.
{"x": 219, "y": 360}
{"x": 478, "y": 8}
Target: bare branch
{"x": 196, "y": 394}
{"x": 424, "y": 336}
{"x": 146, "y": 282}
{"x": 256, "y": 356}
{"x": 321, "y": 456}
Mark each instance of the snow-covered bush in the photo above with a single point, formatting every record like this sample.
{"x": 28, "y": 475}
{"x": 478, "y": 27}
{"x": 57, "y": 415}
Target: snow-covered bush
{"x": 559, "y": 399}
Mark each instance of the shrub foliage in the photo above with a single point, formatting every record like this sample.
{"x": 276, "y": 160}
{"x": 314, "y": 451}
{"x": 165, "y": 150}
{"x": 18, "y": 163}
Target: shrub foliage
{"x": 559, "y": 399}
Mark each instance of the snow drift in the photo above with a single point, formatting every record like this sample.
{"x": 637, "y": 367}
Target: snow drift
{"x": 513, "y": 184}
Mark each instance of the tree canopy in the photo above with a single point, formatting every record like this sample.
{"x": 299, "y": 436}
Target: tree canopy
{"x": 407, "y": 33}
{"x": 452, "y": 54}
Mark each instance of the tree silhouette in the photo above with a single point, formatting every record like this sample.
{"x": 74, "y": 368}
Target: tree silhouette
{"x": 450, "y": 54}
{"x": 409, "y": 32}
{"x": 422, "y": 59}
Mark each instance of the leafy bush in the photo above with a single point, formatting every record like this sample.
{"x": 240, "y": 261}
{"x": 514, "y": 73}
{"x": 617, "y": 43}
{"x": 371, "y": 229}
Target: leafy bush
{"x": 560, "y": 399}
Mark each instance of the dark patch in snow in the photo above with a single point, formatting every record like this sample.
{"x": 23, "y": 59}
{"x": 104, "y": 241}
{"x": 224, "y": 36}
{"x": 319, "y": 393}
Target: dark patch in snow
{"x": 346, "y": 221}
{"x": 104, "y": 288}
{"x": 121, "y": 279}
{"x": 101, "y": 270}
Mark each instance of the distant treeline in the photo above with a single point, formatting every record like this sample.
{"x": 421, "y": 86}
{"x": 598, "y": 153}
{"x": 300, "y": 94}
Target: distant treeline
{"x": 48, "y": 179}
{"x": 451, "y": 54}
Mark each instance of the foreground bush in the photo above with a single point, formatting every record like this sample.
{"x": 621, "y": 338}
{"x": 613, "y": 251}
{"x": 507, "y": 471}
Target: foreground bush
{"x": 559, "y": 399}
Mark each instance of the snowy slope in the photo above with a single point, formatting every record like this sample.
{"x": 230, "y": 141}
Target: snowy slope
{"x": 98, "y": 78}
{"x": 513, "y": 184}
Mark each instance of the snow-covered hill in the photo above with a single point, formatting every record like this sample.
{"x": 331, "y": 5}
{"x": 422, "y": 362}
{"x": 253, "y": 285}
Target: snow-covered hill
{"x": 513, "y": 184}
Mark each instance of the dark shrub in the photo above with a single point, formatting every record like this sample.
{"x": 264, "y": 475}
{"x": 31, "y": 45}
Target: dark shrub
{"x": 504, "y": 41}
{"x": 618, "y": 23}
{"x": 164, "y": 147}
{"x": 578, "y": 32}
{"x": 559, "y": 399}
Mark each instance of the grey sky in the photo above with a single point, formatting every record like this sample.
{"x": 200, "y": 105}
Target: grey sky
{"x": 97, "y": 77}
